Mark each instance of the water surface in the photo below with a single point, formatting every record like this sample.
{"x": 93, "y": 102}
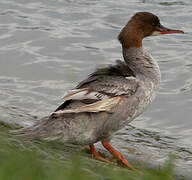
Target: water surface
{"x": 46, "y": 47}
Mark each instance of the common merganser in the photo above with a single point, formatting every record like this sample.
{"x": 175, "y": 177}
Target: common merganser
{"x": 110, "y": 98}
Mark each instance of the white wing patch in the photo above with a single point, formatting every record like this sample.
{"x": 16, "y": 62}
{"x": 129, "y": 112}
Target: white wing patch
{"x": 85, "y": 93}
{"x": 130, "y": 78}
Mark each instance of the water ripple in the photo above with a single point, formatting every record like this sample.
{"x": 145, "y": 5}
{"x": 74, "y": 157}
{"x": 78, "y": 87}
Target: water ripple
{"x": 46, "y": 47}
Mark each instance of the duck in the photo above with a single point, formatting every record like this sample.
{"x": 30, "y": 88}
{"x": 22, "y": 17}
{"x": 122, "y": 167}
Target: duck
{"x": 109, "y": 98}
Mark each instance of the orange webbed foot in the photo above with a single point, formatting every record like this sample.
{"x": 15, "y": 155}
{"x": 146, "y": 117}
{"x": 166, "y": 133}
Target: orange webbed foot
{"x": 118, "y": 155}
{"x": 97, "y": 155}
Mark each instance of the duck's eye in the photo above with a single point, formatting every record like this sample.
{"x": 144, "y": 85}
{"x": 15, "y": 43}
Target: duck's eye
{"x": 153, "y": 24}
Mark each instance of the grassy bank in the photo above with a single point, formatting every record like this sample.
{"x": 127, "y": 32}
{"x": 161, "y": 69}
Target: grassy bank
{"x": 39, "y": 160}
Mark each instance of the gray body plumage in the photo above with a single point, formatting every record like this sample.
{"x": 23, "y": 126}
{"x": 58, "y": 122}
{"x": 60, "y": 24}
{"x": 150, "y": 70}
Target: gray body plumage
{"x": 134, "y": 82}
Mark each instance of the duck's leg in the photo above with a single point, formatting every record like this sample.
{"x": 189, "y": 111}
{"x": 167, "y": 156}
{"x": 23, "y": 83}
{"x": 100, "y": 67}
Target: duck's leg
{"x": 96, "y": 154}
{"x": 117, "y": 154}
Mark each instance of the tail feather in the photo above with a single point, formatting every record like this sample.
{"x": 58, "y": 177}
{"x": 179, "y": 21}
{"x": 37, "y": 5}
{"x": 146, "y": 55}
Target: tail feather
{"x": 43, "y": 129}
{"x": 32, "y": 132}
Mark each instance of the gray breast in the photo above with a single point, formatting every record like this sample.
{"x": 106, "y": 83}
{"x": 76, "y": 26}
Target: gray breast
{"x": 148, "y": 77}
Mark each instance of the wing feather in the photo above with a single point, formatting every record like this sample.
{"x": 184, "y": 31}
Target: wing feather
{"x": 106, "y": 105}
{"x": 84, "y": 93}
{"x": 100, "y": 88}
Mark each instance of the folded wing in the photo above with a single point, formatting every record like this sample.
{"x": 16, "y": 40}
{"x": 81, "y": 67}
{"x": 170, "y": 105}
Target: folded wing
{"x": 102, "y": 89}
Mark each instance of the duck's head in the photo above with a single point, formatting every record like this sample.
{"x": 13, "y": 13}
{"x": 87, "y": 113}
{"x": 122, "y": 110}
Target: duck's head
{"x": 141, "y": 25}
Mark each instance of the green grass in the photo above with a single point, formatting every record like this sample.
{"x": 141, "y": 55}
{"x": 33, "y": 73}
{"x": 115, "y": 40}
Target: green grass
{"x": 53, "y": 161}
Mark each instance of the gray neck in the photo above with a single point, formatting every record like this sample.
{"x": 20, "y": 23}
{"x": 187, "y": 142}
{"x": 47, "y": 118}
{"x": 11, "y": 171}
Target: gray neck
{"x": 142, "y": 64}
